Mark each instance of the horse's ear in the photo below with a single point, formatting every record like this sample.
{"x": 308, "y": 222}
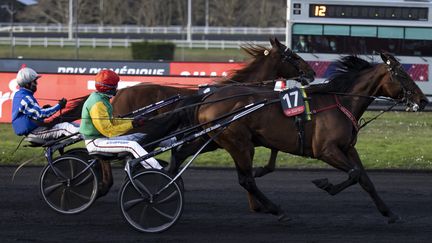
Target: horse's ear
{"x": 389, "y": 59}
{"x": 272, "y": 41}
{"x": 385, "y": 58}
{"x": 278, "y": 42}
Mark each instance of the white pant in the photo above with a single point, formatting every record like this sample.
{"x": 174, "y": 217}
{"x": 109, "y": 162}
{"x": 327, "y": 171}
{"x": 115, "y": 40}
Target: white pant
{"x": 119, "y": 144}
{"x": 58, "y": 130}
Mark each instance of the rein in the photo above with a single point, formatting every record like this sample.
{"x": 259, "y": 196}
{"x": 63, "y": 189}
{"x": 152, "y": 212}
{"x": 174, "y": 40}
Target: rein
{"x": 50, "y": 99}
{"x": 362, "y": 120}
{"x": 264, "y": 82}
{"x": 210, "y": 102}
{"x": 189, "y": 106}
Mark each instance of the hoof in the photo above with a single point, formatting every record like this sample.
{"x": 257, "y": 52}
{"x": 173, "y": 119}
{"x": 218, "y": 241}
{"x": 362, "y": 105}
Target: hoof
{"x": 102, "y": 192}
{"x": 394, "y": 219}
{"x": 259, "y": 209}
{"x": 255, "y": 210}
{"x": 283, "y": 218}
{"x": 103, "y": 189}
{"x": 321, "y": 183}
{"x": 259, "y": 171}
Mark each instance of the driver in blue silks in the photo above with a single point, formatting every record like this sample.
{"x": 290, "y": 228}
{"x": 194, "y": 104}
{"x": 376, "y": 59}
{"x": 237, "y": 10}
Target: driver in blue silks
{"x": 28, "y": 116}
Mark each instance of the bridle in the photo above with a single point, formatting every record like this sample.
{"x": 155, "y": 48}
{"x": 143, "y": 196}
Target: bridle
{"x": 395, "y": 71}
{"x": 287, "y": 56}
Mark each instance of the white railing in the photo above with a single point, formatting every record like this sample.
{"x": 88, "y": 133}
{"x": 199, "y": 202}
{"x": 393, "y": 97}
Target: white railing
{"x": 19, "y": 27}
{"x": 109, "y": 42}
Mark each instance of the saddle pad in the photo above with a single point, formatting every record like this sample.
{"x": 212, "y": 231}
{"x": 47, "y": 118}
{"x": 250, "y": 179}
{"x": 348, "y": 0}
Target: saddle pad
{"x": 292, "y": 101}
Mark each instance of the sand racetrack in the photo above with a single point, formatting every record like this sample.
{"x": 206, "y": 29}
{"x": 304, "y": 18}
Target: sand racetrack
{"x": 216, "y": 210}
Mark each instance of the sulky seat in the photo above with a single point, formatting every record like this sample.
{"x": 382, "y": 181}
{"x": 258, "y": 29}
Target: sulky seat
{"x": 35, "y": 142}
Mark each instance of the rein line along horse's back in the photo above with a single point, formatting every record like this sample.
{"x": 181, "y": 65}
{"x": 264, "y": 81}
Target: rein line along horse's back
{"x": 330, "y": 135}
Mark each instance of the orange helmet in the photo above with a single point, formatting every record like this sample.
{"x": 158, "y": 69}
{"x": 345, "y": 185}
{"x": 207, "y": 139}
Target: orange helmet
{"x": 106, "y": 80}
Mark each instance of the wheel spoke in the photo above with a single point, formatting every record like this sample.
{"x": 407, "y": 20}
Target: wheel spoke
{"x": 163, "y": 214}
{"x": 72, "y": 168}
{"x": 52, "y": 188}
{"x": 132, "y": 203}
{"x": 142, "y": 187}
{"x": 63, "y": 200}
{"x": 142, "y": 220}
{"x": 59, "y": 172}
{"x": 87, "y": 179}
{"x": 168, "y": 198}
{"x": 79, "y": 195}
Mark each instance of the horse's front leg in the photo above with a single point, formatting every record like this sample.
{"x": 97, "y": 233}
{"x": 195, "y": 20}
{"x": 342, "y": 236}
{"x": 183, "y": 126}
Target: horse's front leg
{"x": 369, "y": 187}
{"x": 269, "y": 167}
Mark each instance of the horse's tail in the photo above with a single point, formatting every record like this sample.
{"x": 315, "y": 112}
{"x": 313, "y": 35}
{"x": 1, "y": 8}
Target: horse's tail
{"x": 187, "y": 109}
{"x": 70, "y": 113}
{"x": 183, "y": 115}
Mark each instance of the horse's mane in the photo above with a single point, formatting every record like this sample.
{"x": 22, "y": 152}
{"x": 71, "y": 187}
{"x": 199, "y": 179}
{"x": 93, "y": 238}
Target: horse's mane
{"x": 256, "y": 52}
{"x": 345, "y": 74}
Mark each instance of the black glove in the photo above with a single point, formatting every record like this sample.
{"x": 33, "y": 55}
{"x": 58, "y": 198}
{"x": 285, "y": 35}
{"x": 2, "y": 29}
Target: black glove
{"x": 139, "y": 121}
{"x": 62, "y": 103}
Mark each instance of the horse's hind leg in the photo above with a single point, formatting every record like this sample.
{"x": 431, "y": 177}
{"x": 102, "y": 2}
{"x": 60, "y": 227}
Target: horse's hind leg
{"x": 357, "y": 173}
{"x": 336, "y": 158}
{"x": 107, "y": 179}
{"x": 335, "y": 189}
{"x": 270, "y": 167}
{"x": 368, "y": 186}
{"x": 180, "y": 154}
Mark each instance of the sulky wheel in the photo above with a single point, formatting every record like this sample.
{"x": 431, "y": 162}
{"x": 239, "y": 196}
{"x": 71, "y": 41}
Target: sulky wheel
{"x": 68, "y": 186}
{"x": 148, "y": 208}
{"x": 164, "y": 164}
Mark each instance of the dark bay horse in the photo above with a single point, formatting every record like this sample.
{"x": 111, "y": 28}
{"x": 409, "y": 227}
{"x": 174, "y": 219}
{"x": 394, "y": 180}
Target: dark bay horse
{"x": 329, "y": 136}
{"x": 266, "y": 64}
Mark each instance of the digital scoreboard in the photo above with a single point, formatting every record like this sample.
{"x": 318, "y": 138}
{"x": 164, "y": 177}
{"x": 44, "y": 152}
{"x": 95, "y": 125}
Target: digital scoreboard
{"x": 367, "y": 12}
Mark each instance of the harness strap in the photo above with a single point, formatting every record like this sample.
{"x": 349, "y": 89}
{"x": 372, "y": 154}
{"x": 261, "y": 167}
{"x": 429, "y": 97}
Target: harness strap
{"x": 344, "y": 110}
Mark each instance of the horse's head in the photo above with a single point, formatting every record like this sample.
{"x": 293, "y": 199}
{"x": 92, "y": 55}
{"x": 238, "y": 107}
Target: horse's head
{"x": 401, "y": 86}
{"x": 291, "y": 63}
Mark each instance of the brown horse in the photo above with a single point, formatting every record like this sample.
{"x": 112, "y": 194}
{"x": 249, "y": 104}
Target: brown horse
{"x": 266, "y": 64}
{"x": 329, "y": 136}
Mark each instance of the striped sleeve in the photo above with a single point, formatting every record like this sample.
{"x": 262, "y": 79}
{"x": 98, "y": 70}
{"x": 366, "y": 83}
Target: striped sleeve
{"x": 31, "y": 108}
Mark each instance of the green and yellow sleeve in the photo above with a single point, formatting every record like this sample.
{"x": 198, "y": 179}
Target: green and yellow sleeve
{"x": 106, "y": 126}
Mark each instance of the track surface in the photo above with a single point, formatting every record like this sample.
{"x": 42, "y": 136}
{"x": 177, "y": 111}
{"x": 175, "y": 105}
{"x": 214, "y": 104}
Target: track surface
{"x": 216, "y": 211}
